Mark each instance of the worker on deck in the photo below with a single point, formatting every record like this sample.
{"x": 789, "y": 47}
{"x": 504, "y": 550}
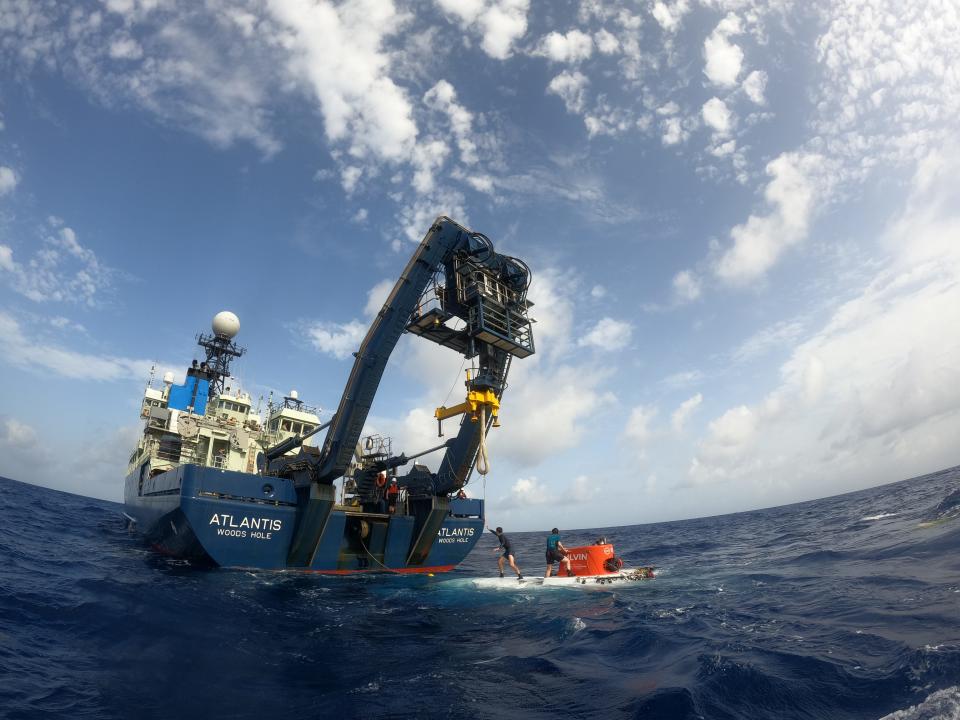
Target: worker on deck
{"x": 507, "y": 548}
{"x": 556, "y": 552}
{"x": 393, "y": 492}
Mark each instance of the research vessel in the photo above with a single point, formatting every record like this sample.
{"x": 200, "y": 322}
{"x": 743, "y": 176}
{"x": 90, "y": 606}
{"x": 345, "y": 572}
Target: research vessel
{"x": 214, "y": 479}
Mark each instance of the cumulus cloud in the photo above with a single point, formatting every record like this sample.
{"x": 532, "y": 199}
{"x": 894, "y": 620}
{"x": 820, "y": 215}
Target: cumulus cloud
{"x": 674, "y": 131}
{"x": 443, "y": 98}
{"x": 16, "y": 434}
{"x": 570, "y": 87}
{"x": 500, "y": 22}
{"x": 680, "y": 416}
{"x": 717, "y": 115}
{"x": 759, "y": 242}
{"x": 874, "y": 394}
{"x": 337, "y": 51}
{"x": 722, "y": 58}
{"x": 755, "y": 85}
{"x": 377, "y": 296}
{"x": 573, "y": 47}
{"x": 526, "y": 492}
{"x": 546, "y": 413}
{"x": 531, "y": 491}
{"x": 638, "y": 430}
{"x": 428, "y": 158}
{"x": 686, "y": 286}
{"x": 607, "y": 334}
{"x": 125, "y": 48}
{"x": 670, "y": 15}
{"x": 8, "y": 180}
{"x": 339, "y": 340}
{"x": 606, "y": 42}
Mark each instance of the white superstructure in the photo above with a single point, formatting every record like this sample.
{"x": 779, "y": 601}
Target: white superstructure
{"x": 227, "y": 434}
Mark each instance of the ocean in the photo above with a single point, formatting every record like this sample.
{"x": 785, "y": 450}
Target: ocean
{"x": 845, "y": 607}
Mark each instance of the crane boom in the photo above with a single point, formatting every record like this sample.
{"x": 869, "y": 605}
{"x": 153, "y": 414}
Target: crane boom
{"x": 481, "y": 289}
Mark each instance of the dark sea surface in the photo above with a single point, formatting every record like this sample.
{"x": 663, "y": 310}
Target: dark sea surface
{"x": 846, "y": 607}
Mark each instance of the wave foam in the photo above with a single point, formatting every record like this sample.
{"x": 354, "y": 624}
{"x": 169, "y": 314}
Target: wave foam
{"x": 877, "y": 517}
{"x": 941, "y": 705}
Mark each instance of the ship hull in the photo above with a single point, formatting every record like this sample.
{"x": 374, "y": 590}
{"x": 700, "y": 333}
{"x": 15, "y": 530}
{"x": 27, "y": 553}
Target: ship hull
{"x": 244, "y": 520}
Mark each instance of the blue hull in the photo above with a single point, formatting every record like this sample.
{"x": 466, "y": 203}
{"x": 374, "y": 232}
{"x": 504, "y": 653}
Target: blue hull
{"x": 235, "y": 519}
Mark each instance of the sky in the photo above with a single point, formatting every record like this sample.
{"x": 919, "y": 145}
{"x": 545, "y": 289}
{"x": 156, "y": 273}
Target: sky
{"x": 742, "y": 218}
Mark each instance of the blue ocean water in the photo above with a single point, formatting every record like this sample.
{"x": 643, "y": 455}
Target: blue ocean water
{"x": 839, "y": 608}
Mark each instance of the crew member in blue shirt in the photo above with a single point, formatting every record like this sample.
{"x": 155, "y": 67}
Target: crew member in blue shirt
{"x": 556, "y": 552}
{"x": 507, "y": 552}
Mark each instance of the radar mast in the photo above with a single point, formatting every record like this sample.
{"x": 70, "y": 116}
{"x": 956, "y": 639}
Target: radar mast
{"x": 220, "y": 349}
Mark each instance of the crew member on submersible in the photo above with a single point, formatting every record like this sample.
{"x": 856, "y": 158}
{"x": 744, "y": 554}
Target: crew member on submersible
{"x": 507, "y": 552}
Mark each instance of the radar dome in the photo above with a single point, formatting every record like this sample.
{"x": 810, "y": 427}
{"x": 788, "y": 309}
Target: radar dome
{"x": 168, "y": 378}
{"x": 226, "y": 324}
{"x": 293, "y": 395}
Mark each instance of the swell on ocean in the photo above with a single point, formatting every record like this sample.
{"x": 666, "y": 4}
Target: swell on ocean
{"x": 844, "y": 607}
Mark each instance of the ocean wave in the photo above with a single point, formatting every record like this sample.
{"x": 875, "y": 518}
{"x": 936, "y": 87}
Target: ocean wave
{"x": 814, "y": 620}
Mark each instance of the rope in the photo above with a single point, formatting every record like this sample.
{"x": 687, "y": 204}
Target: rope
{"x": 483, "y": 459}
{"x": 364, "y": 546}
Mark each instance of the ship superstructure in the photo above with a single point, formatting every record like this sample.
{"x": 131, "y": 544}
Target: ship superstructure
{"x": 214, "y": 478}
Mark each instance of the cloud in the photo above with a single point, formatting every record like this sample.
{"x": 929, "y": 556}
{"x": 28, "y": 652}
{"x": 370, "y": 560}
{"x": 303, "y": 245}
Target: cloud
{"x": 340, "y": 340}
{"x": 125, "y": 48}
{"x": 670, "y": 15}
{"x": 728, "y": 439}
{"x": 723, "y": 59}
{"x": 8, "y": 180}
{"x": 337, "y": 51}
{"x": 546, "y": 414}
{"x": 680, "y": 416}
{"x": 681, "y": 380}
{"x": 673, "y": 131}
{"x": 638, "y": 430}
{"x": 607, "y": 334}
{"x": 377, "y": 296}
{"x": 583, "y": 489}
{"x": 531, "y": 492}
{"x": 17, "y": 348}
{"x": 759, "y": 242}
{"x": 779, "y": 335}
{"x": 573, "y": 47}
{"x": 428, "y": 158}
{"x": 873, "y": 395}
{"x": 755, "y": 85}
{"x": 886, "y": 90}
{"x": 570, "y": 87}
{"x": 443, "y": 98}
{"x": 61, "y": 270}
{"x": 717, "y": 115}
{"x": 686, "y": 286}
{"x": 501, "y": 22}
{"x": 17, "y": 435}
{"x": 419, "y": 212}
{"x": 526, "y": 492}
{"x": 606, "y": 42}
